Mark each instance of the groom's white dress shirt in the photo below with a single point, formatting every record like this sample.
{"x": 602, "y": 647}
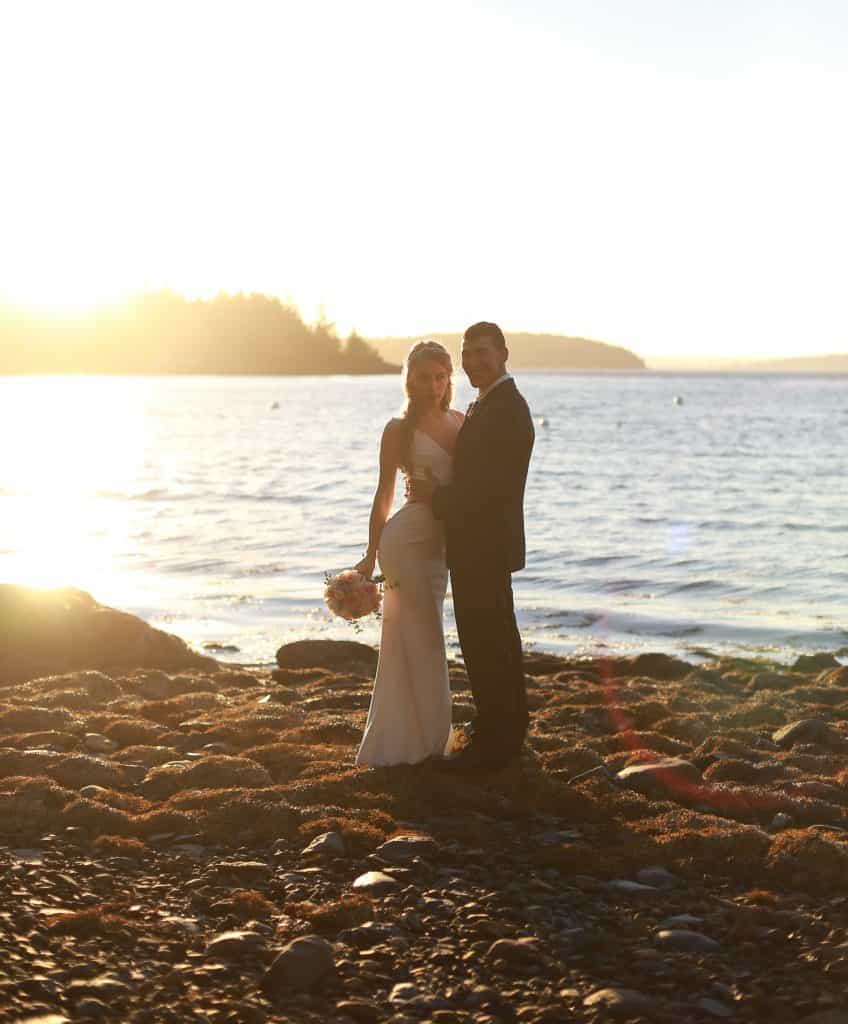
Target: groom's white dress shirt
{"x": 492, "y": 386}
{"x": 487, "y": 391}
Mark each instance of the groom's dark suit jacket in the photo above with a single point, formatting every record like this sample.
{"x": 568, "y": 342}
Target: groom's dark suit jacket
{"x": 483, "y": 507}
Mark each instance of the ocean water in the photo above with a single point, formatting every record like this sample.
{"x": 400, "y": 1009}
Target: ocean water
{"x": 694, "y": 514}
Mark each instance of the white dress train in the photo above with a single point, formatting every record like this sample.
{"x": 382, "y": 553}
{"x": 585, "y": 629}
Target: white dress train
{"x": 410, "y": 714}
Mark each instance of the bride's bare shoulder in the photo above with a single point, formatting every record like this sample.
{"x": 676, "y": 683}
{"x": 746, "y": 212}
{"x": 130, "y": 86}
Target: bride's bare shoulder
{"x": 393, "y": 428}
{"x": 457, "y": 415}
{"x": 393, "y": 434}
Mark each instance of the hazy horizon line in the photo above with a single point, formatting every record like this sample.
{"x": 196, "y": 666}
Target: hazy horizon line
{"x": 694, "y": 362}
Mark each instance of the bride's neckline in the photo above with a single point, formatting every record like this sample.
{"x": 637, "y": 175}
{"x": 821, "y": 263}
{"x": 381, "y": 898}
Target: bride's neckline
{"x": 430, "y": 437}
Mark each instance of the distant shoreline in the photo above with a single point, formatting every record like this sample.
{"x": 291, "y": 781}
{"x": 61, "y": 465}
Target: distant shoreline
{"x": 388, "y": 371}
{"x": 829, "y": 365}
{"x": 648, "y": 371}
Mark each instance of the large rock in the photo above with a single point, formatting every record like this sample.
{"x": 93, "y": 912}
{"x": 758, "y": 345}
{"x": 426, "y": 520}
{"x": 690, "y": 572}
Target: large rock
{"x": 50, "y": 632}
{"x": 336, "y": 655}
{"x": 328, "y": 844}
{"x": 377, "y": 883}
{"x": 681, "y": 940}
{"x": 815, "y": 662}
{"x": 300, "y": 965}
{"x": 234, "y": 944}
{"x": 805, "y": 730}
{"x": 405, "y": 848}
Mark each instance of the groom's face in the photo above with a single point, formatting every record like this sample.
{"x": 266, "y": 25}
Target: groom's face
{"x": 484, "y": 361}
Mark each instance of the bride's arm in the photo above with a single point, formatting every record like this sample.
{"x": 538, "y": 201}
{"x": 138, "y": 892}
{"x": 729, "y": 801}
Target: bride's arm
{"x": 390, "y": 454}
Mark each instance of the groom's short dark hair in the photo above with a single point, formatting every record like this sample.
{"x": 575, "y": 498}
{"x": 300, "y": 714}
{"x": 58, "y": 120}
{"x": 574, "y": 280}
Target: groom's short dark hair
{"x": 485, "y": 330}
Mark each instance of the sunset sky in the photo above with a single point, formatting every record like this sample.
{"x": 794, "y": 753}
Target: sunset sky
{"x": 662, "y": 175}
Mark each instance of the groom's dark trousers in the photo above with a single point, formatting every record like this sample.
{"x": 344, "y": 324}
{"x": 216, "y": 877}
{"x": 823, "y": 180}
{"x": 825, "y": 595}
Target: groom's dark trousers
{"x": 483, "y": 512}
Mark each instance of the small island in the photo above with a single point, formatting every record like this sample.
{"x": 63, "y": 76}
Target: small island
{"x": 531, "y": 351}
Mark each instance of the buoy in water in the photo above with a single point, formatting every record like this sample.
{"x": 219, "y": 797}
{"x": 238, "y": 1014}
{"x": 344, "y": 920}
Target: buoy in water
{"x": 678, "y": 400}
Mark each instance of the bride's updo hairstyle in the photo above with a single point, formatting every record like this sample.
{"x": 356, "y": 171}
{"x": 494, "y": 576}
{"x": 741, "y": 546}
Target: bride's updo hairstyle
{"x": 423, "y": 351}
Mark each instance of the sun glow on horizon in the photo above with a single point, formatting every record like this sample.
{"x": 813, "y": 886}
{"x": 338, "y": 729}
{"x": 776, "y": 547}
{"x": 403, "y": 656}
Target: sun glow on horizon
{"x": 62, "y": 302}
{"x": 65, "y": 449}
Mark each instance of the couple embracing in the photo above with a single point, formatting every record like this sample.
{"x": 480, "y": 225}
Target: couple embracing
{"x": 464, "y": 512}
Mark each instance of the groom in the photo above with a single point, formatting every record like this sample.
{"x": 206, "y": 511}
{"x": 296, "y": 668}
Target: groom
{"x": 482, "y": 509}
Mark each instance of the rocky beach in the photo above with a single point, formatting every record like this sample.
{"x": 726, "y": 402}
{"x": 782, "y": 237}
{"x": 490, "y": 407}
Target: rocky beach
{"x": 182, "y": 840}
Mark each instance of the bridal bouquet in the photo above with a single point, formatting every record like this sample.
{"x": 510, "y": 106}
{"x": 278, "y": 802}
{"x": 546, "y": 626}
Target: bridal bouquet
{"x": 351, "y": 596}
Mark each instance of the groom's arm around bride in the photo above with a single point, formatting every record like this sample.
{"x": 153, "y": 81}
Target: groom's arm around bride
{"x": 482, "y": 510}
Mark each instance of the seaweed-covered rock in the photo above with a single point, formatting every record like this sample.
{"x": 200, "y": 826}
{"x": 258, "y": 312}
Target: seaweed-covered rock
{"x": 77, "y": 770}
{"x": 703, "y": 843}
{"x": 30, "y": 719}
{"x": 810, "y": 860}
{"x": 772, "y": 681}
{"x": 214, "y": 772}
{"x": 652, "y": 665}
{"x": 835, "y": 677}
{"x": 128, "y": 732}
{"x": 26, "y": 762}
{"x": 736, "y": 769}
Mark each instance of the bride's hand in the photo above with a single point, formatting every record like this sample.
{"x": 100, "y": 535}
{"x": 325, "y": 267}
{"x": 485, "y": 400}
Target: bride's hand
{"x": 365, "y": 567}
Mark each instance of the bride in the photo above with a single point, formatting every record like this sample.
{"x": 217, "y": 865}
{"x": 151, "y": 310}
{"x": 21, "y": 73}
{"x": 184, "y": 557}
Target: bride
{"x": 409, "y": 718}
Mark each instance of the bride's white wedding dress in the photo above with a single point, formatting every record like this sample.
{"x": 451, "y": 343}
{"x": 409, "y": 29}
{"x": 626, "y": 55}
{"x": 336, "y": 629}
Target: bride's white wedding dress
{"x": 410, "y": 714}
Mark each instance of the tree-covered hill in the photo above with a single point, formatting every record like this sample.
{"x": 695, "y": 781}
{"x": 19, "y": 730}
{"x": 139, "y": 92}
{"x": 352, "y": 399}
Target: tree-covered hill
{"x": 162, "y": 332}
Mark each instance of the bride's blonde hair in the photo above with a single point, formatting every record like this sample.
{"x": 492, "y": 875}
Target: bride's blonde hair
{"x": 411, "y": 412}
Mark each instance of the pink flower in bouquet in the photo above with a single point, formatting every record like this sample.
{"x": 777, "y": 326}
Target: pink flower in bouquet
{"x": 351, "y": 596}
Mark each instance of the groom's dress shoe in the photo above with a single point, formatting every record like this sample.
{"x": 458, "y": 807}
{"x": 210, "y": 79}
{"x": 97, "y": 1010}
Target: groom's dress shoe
{"x": 471, "y": 760}
{"x": 466, "y": 727}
